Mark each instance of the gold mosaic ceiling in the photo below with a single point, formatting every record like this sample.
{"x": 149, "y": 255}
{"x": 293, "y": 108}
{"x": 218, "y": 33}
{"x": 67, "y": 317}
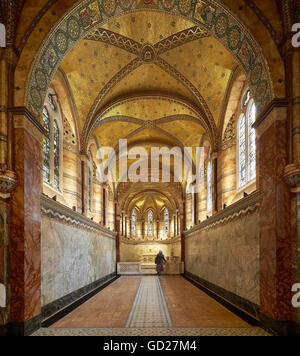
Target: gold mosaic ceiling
{"x": 161, "y": 94}
{"x": 149, "y": 200}
{"x": 200, "y": 67}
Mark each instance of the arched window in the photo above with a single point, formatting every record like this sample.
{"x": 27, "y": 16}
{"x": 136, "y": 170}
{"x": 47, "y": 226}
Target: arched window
{"x": 251, "y": 142}
{"x": 90, "y": 188}
{"x": 46, "y": 147}
{"x": 166, "y": 221}
{"x": 51, "y": 101}
{"x": 89, "y": 173}
{"x": 56, "y": 154}
{"x": 246, "y": 142}
{"x": 52, "y": 143}
{"x": 242, "y": 151}
{"x": 209, "y": 186}
{"x": 133, "y": 222}
{"x": 150, "y": 223}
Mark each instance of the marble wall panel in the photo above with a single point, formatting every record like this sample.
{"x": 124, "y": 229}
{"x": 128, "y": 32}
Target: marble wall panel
{"x": 227, "y": 256}
{"x": 25, "y": 224}
{"x": 298, "y": 249}
{"x": 133, "y": 253}
{"x": 72, "y": 258}
{"x": 275, "y": 221}
{"x": 4, "y": 270}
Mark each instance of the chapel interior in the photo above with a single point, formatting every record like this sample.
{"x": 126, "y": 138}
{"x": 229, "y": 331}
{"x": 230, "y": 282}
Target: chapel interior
{"x": 76, "y": 77}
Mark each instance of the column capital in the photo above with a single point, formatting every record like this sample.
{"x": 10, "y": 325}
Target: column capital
{"x": 21, "y": 112}
{"x": 8, "y": 182}
{"x": 292, "y": 175}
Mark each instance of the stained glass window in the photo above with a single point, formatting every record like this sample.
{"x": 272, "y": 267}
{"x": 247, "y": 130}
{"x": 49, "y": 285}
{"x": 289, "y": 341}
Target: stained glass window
{"x": 51, "y": 101}
{"x": 209, "y": 186}
{"x": 46, "y": 147}
{"x": 251, "y": 142}
{"x": 90, "y": 188}
{"x": 242, "y": 151}
{"x": 246, "y": 142}
{"x": 133, "y": 222}
{"x": 246, "y": 98}
{"x": 56, "y": 154}
{"x": 150, "y": 223}
{"x": 166, "y": 221}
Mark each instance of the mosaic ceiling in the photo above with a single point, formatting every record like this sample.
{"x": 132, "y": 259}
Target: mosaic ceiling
{"x": 109, "y": 64}
{"x": 151, "y": 77}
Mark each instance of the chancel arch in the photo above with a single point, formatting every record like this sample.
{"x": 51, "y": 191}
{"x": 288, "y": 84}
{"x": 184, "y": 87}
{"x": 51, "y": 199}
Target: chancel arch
{"x": 226, "y": 28}
{"x": 80, "y": 77}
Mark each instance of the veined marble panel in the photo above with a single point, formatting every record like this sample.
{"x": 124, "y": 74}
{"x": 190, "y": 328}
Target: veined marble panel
{"x": 227, "y": 256}
{"x": 73, "y": 258}
{"x": 133, "y": 252}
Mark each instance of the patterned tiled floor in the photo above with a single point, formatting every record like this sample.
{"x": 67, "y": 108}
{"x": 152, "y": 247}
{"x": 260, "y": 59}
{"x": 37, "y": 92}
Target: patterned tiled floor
{"x": 190, "y": 307}
{"x": 152, "y": 332}
{"x": 149, "y": 306}
{"x": 149, "y": 309}
{"x": 109, "y": 308}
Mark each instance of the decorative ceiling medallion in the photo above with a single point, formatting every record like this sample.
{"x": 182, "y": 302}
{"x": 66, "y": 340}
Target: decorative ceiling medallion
{"x": 148, "y": 54}
{"x": 149, "y": 124}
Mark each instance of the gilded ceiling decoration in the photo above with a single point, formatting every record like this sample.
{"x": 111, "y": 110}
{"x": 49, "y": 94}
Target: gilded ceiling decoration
{"x": 150, "y": 199}
{"x": 155, "y": 72}
{"x": 210, "y": 16}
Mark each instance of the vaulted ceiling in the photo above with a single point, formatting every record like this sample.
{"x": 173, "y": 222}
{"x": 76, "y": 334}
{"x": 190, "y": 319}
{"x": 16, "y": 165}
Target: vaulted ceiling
{"x": 153, "y": 78}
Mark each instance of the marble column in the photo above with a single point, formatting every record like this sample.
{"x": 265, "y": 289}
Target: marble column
{"x": 182, "y": 228}
{"x": 275, "y": 215}
{"x": 122, "y": 223}
{"x": 117, "y": 229}
{"x": 157, "y": 229}
{"x": 125, "y": 226}
{"x": 4, "y": 265}
{"x": 195, "y": 220}
{"x": 84, "y": 185}
{"x": 292, "y": 170}
{"x": 143, "y": 229}
{"x": 214, "y": 182}
{"x": 25, "y": 228}
{"x": 104, "y": 206}
{"x": 3, "y": 110}
{"x": 8, "y": 179}
{"x": 174, "y": 232}
{"x": 130, "y": 227}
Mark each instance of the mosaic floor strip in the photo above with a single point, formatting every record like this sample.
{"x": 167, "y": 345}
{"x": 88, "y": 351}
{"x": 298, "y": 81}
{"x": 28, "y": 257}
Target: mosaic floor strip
{"x": 150, "y": 309}
{"x": 153, "y": 332}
